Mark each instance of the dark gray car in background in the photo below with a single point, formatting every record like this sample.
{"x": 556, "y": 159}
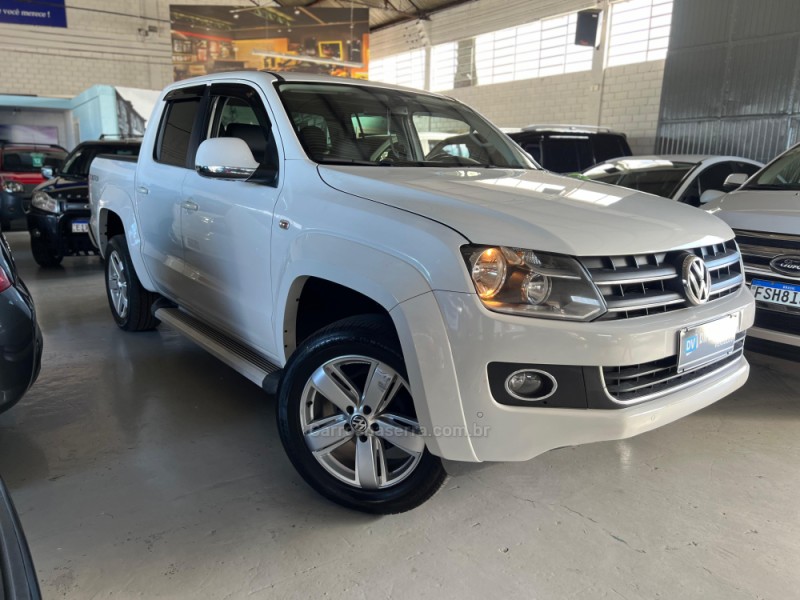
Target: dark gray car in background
{"x": 20, "y": 359}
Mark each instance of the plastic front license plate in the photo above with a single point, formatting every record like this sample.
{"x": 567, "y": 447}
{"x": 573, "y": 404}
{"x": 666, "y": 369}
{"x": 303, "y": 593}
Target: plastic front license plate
{"x": 707, "y": 342}
{"x": 773, "y": 292}
{"x": 80, "y": 227}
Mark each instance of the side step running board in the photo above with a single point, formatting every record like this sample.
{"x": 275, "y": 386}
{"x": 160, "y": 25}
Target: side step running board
{"x": 234, "y": 354}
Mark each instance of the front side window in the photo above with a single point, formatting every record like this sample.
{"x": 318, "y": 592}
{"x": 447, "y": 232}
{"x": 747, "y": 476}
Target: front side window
{"x": 364, "y": 125}
{"x": 783, "y": 174}
{"x": 176, "y": 131}
{"x": 242, "y": 116}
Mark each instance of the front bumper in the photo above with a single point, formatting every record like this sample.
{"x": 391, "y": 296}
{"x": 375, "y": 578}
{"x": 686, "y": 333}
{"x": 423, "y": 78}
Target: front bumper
{"x": 453, "y": 358}
{"x": 20, "y": 346}
{"x": 55, "y": 231}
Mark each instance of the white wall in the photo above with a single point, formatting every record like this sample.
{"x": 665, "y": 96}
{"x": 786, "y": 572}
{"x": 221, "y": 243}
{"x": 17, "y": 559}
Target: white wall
{"x": 623, "y": 98}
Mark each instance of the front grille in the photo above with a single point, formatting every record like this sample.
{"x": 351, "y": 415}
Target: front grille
{"x": 634, "y": 382}
{"x": 759, "y": 248}
{"x": 645, "y": 284}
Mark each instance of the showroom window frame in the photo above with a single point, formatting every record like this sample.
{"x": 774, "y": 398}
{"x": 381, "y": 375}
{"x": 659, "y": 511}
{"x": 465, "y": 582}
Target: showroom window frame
{"x": 638, "y": 31}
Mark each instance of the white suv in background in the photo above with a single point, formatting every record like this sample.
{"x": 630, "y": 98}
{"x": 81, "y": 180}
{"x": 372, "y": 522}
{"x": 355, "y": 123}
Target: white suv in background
{"x": 765, "y": 214}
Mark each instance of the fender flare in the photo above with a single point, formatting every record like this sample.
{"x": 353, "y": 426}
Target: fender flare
{"x": 389, "y": 281}
{"x": 119, "y": 203}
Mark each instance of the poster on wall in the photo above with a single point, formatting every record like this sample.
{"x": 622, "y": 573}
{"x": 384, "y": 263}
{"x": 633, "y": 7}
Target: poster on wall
{"x": 213, "y": 39}
{"x": 46, "y": 14}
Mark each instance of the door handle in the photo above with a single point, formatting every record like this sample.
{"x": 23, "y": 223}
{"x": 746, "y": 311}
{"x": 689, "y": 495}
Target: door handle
{"x": 143, "y": 190}
{"x": 189, "y": 205}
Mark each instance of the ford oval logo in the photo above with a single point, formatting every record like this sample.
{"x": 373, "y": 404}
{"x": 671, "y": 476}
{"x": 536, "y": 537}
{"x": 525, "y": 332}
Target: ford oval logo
{"x": 786, "y": 265}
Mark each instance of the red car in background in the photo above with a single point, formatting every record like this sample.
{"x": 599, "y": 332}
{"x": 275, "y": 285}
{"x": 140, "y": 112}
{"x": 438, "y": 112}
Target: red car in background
{"x": 21, "y": 171}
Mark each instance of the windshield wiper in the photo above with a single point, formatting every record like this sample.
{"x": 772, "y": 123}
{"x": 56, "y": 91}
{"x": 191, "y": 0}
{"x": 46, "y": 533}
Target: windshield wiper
{"x": 774, "y": 186}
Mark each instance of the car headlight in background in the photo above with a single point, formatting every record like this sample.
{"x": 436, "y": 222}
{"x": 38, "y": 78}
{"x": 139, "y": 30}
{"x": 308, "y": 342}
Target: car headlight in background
{"x": 534, "y": 284}
{"x": 13, "y": 187}
{"x": 45, "y": 202}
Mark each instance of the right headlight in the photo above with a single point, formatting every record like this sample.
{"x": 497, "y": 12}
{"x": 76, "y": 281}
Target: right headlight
{"x": 533, "y": 284}
{"x": 45, "y": 202}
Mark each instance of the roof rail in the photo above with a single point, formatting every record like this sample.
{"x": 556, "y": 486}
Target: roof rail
{"x": 568, "y": 128}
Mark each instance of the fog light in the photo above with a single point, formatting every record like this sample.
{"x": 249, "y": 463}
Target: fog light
{"x": 530, "y": 385}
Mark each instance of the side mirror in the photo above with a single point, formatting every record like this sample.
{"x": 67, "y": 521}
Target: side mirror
{"x": 49, "y": 172}
{"x": 710, "y": 196}
{"x": 734, "y": 180}
{"x": 225, "y": 158}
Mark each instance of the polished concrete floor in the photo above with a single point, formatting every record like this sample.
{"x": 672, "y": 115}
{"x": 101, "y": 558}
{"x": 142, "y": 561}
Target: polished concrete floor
{"x": 143, "y": 468}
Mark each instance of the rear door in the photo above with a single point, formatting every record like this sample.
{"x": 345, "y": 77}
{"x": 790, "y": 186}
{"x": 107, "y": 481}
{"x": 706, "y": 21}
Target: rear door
{"x": 159, "y": 179}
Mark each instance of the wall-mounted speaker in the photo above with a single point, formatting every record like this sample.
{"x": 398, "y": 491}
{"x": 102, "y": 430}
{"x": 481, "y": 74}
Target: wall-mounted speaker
{"x": 586, "y": 31}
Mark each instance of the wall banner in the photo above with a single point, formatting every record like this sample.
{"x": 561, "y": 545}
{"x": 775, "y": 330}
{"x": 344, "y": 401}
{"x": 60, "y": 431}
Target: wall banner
{"x": 51, "y": 13}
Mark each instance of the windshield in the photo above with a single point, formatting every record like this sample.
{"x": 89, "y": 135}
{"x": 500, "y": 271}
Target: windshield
{"x": 30, "y": 159}
{"x": 659, "y": 177}
{"x": 363, "y": 125}
{"x": 78, "y": 163}
{"x": 783, "y": 174}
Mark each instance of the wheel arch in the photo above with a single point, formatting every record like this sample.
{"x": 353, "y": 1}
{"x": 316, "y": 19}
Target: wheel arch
{"x": 393, "y": 282}
{"x": 121, "y": 220}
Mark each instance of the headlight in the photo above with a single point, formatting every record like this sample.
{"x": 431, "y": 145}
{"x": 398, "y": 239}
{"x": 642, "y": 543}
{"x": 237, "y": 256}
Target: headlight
{"x": 13, "y": 187}
{"x": 44, "y": 202}
{"x": 534, "y": 284}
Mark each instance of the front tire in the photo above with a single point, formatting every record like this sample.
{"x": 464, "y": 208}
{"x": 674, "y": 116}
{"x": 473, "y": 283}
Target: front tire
{"x": 347, "y": 421}
{"x": 44, "y": 255}
{"x": 130, "y": 303}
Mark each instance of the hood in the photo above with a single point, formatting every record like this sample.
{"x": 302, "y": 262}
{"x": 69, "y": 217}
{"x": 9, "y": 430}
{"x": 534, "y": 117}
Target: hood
{"x": 534, "y": 209}
{"x": 759, "y": 210}
{"x": 65, "y": 188}
{"x": 23, "y": 178}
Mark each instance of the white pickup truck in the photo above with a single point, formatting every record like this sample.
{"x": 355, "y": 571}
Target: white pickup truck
{"x": 412, "y": 304}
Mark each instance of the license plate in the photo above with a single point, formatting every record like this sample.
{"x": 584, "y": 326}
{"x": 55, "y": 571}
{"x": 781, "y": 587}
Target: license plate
{"x": 774, "y": 292}
{"x": 707, "y": 343}
{"x": 80, "y": 227}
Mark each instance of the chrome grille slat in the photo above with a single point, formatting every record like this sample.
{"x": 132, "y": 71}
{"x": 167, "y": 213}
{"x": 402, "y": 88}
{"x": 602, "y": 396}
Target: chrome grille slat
{"x": 636, "y": 302}
{"x": 645, "y": 284}
{"x": 729, "y": 258}
{"x": 726, "y": 282}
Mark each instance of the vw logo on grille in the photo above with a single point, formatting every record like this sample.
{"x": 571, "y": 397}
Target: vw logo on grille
{"x": 696, "y": 279}
{"x": 359, "y": 424}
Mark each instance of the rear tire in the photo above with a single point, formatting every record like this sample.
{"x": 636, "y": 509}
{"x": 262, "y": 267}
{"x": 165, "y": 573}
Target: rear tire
{"x": 44, "y": 255}
{"x": 130, "y": 303}
{"x": 346, "y": 419}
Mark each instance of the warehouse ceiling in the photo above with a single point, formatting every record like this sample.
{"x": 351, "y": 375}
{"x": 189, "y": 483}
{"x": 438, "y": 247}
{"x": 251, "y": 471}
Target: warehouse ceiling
{"x": 382, "y": 12}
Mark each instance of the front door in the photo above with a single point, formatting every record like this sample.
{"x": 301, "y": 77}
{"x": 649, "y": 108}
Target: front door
{"x": 227, "y": 225}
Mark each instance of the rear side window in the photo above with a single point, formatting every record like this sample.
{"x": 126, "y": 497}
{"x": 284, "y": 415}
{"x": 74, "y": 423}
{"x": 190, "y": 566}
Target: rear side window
{"x": 176, "y": 131}
{"x": 607, "y": 146}
{"x": 566, "y": 154}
